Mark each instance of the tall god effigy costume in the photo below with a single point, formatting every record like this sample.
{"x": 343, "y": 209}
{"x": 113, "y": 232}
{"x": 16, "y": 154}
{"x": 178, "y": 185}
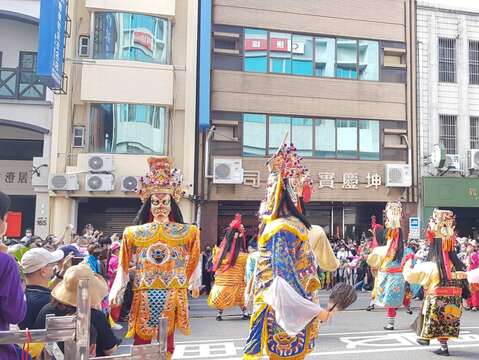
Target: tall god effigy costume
{"x": 390, "y": 286}
{"x": 443, "y": 280}
{"x": 229, "y": 266}
{"x": 165, "y": 252}
{"x": 286, "y": 274}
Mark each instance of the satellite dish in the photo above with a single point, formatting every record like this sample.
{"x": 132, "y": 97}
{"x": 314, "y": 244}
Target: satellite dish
{"x": 438, "y": 156}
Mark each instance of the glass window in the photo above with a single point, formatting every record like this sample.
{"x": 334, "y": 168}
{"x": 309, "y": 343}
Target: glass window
{"x": 126, "y": 36}
{"x": 255, "y": 50}
{"x": 302, "y": 50}
{"x": 280, "y": 53}
{"x": 78, "y": 136}
{"x": 29, "y": 86}
{"x": 347, "y": 135}
{"x": 128, "y": 128}
{"x": 302, "y": 135}
{"x": 447, "y": 133}
{"x": 474, "y": 62}
{"x": 474, "y": 132}
{"x": 254, "y": 135}
{"x": 346, "y": 61}
{"x": 369, "y": 140}
{"x": 447, "y": 60}
{"x": 278, "y": 127}
{"x": 12, "y": 149}
{"x": 368, "y": 60}
{"x": 325, "y": 138}
{"x": 325, "y": 56}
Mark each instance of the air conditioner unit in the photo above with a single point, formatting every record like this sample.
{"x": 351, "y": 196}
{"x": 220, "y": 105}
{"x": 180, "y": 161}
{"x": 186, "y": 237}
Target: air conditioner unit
{"x": 100, "y": 163}
{"x": 227, "y": 171}
{"x": 83, "y": 46}
{"x": 63, "y": 182}
{"x": 129, "y": 183}
{"x": 452, "y": 162}
{"x": 99, "y": 182}
{"x": 473, "y": 159}
{"x": 398, "y": 175}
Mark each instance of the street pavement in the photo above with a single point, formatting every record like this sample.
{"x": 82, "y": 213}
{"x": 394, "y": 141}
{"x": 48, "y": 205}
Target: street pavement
{"x": 354, "y": 334}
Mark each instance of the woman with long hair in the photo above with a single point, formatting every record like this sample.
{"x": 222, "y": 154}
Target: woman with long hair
{"x": 390, "y": 286}
{"x": 229, "y": 266}
{"x": 442, "y": 277}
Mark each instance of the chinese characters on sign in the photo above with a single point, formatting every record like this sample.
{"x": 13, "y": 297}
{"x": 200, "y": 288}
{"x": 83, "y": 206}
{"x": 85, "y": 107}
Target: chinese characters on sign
{"x": 14, "y": 177}
{"x": 473, "y": 193}
{"x": 351, "y": 181}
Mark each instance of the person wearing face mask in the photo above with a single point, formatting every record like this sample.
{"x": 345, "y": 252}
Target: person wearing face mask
{"x": 12, "y": 299}
{"x": 167, "y": 252}
{"x": 37, "y": 265}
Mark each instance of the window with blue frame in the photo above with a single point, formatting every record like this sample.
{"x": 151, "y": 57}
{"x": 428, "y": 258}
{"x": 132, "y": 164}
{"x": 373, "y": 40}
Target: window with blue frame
{"x": 325, "y": 56}
{"x": 255, "y": 50}
{"x": 369, "y": 140}
{"x": 317, "y": 138}
{"x": 302, "y": 53}
{"x": 128, "y": 36}
{"x": 347, "y": 139}
{"x": 254, "y": 135}
{"x": 128, "y": 128}
{"x": 306, "y": 55}
{"x": 280, "y": 53}
{"x": 325, "y": 138}
{"x": 346, "y": 58}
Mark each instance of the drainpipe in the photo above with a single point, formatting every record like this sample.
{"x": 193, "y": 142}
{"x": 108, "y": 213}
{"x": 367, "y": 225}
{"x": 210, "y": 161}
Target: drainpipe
{"x": 211, "y": 131}
{"x": 409, "y": 152}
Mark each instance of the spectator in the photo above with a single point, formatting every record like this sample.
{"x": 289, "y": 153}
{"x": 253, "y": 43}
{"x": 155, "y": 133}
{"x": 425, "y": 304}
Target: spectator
{"x": 93, "y": 258}
{"x": 37, "y": 265}
{"x": 28, "y": 235}
{"x": 12, "y": 299}
{"x": 64, "y": 302}
{"x": 206, "y": 268}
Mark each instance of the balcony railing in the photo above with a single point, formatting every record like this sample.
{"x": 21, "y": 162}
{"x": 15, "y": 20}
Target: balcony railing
{"x": 20, "y": 85}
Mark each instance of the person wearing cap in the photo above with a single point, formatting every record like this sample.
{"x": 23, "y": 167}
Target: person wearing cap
{"x": 37, "y": 265}
{"x": 12, "y": 299}
{"x": 112, "y": 267}
{"x": 64, "y": 302}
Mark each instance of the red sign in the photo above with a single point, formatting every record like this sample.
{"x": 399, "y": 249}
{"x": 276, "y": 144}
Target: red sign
{"x": 255, "y": 44}
{"x": 278, "y": 44}
{"x": 14, "y": 224}
{"x": 144, "y": 39}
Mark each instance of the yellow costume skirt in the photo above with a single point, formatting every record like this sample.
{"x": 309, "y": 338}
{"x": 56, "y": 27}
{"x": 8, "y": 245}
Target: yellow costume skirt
{"x": 228, "y": 290}
{"x": 149, "y": 305}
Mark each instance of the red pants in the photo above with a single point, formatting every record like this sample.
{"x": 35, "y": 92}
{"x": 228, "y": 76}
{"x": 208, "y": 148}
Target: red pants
{"x": 115, "y": 313}
{"x": 170, "y": 346}
{"x": 391, "y": 312}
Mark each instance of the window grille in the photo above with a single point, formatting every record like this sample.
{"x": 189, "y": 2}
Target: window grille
{"x": 447, "y": 60}
{"x": 447, "y": 133}
{"x": 474, "y": 62}
{"x": 474, "y": 132}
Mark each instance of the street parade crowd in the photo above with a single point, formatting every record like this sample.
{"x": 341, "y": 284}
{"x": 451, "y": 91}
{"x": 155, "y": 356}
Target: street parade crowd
{"x": 157, "y": 265}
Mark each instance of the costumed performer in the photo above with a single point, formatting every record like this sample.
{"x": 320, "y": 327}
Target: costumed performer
{"x": 286, "y": 274}
{"x": 166, "y": 251}
{"x": 229, "y": 264}
{"x": 390, "y": 286}
{"x": 442, "y": 277}
{"x": 377, "y": 239}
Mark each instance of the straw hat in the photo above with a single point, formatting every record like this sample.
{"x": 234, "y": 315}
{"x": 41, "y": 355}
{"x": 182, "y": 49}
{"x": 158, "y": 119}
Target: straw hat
{"x": 67, "y": 290}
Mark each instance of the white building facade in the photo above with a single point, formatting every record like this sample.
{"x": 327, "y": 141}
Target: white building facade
{"x": 448, "y": 106}
{"x": 26, "y": 110}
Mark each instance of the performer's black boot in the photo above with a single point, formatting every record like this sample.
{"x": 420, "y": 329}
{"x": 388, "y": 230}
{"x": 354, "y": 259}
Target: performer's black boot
{"x": 219, "y": 317}
{"x": 408, "y": 310}
{"x": 370, "y": 307}
{"x": 423, "y": 342}
{"x": 390, "y": 324}
{"x": 443, "y": 350}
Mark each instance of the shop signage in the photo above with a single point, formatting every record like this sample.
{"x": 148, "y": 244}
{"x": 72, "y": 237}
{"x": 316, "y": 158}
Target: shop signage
{"x": 276, "y": 44}
{"x": 51, "y": 41}
{"x": 144, "y": 39}
{"x": 414, "y": 228}
{"x": 350, "y": 181}
{"x": 16, "y": 177}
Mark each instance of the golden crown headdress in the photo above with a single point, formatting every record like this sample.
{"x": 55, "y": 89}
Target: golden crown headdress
{"x": 284, "y": 165}
{"x": 442, "y": 225}
{"x": 161, "y": 178}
